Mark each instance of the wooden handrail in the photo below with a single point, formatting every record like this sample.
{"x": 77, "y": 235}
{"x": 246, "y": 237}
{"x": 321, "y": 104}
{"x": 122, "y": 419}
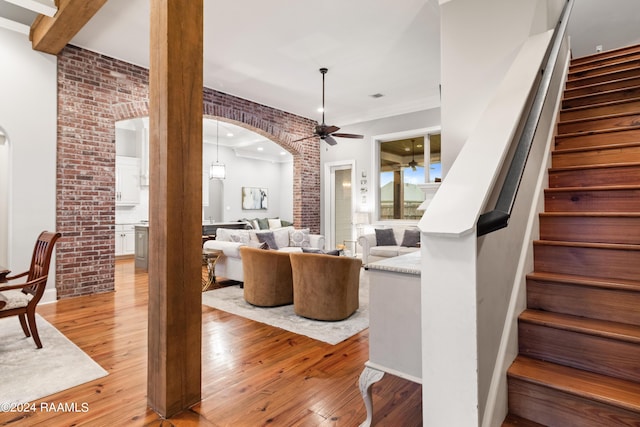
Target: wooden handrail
{"x": 498, "y": 218}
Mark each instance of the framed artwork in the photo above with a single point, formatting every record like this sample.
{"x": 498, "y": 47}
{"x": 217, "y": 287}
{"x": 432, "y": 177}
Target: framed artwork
{"x": 254, "y": 198}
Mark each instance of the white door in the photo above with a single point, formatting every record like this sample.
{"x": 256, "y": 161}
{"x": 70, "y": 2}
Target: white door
{"x": 339, "y": 227}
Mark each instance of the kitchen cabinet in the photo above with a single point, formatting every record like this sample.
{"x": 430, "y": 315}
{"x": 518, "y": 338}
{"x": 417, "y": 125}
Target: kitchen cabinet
{"x": 142, "y": 247}
{"x": 127, "y": 181}
{"x": 125, "y": 239}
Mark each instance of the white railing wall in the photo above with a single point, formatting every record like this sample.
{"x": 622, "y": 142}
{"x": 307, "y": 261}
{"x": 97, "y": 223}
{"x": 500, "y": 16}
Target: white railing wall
{"x": 472, "y": 288}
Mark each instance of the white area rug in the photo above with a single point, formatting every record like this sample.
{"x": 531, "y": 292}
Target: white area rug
{"x": 28, "y": 374}
{"x": 231, "y": 300}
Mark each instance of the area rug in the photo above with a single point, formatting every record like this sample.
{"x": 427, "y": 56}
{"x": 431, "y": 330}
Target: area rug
{"x": 231, "y": 300}
{"x": 28, "y": 374}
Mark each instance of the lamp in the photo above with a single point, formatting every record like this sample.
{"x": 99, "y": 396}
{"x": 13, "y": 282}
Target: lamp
{"x": 360, "y": 219}
{"x": 217, "y": 170}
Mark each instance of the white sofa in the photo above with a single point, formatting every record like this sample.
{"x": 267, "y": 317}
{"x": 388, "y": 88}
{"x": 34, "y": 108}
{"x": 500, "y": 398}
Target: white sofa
{"x": 229, "y": 241}
{"x": 375, "y": 250}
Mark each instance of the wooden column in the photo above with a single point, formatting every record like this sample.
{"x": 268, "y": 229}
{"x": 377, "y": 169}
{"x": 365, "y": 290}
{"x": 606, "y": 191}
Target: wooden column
{"x": 175, "y": 205}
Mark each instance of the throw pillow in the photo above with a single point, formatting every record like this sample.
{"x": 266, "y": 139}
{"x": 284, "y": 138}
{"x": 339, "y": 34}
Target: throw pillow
{"x": 411, "y": 238}
{"x": 259, "y": 245}
{"x": 254, "y": 224}
{"x": 274, "y": 223}
{"x": 263, "y": 223}
{"x": 268, "y": 238}
{"x": 299, "y": 238}
{"x": 286, "y": 223}
{"x": 385, "y": 237}
{"x": 282, "y": 237}
{"x": 320, "y": 251}
{"x": 240, "y": 236}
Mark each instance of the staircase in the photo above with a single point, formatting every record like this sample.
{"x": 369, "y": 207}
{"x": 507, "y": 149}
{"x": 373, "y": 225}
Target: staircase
{"x": 579, "y": 338}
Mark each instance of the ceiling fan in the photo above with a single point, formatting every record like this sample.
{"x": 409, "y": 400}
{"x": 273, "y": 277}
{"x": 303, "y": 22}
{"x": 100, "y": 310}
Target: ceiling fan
{"x": 324, "y": 131}
{"x": 412, "y": 164}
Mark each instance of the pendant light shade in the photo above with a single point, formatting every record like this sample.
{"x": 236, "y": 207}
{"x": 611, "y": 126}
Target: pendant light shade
{"x": 217, "y": 170}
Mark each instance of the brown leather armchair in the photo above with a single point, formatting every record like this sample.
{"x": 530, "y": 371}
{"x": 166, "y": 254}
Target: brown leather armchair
{"x": 267, "y": 277}
{"x": 325, "y": 287}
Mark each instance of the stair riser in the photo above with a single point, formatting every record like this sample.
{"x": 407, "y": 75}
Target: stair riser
{"x": 601, "y": 355}
{"x": 621, "y": 175}
{"x": 599, "y": 124}
{"x": 612, "y": 155}
{"x": 591, "y": 229}
{"x": 617, "y": 95}
{"x": 592, "y": 201}
{"x": 605, "y": 69}
{"x": 601, "y": 139}
{"x": 555, "y": 408}
{"x": 598, "y": 303}
{"x": 602, "y": 263}
{"x": 602, "y": 87}
{"x": 598, "y": 111}
{"x": 589, "y": 81}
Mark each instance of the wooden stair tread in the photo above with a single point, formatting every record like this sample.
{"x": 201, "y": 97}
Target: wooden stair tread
{"x": 594, "y": 188}
{"x": 515, "y": 421}
{"x": 595, "y": 86}
{"x": 596, "y": 327}
{"x": 619, "y": 246}
{"x": 592, "y": 214}
{"x": 617, "y": 284}
{"x": 608, "y": 390}
{"x": 600, "y": 117}
{"x": 597, "y": 166}
{"x": 596, "y": 147}
{"x": 609, "y": 54}
{"x": 596, "y": 132}
{"x": 604, "y": 92}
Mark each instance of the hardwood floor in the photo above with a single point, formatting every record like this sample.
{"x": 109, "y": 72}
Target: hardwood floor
{"x": 252, "y": 374}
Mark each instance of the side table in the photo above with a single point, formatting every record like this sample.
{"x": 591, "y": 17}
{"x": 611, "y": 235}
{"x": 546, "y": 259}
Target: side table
{"x": 210, "y": 257}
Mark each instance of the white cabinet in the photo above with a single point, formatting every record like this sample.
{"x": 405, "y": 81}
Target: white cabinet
{"x": 125, "y": 239}
{"x": 127, "y": 181}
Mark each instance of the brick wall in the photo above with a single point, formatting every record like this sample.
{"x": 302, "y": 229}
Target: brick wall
{"x": 94, "y": 91}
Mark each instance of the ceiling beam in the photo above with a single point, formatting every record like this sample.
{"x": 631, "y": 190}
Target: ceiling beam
{"x": 51, "y": 34}
{"x": 44, "y": 7}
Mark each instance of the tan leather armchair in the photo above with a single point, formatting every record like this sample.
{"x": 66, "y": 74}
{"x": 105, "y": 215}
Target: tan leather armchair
{"x": 267, "y": 277}
{"x": 325, "y": 287}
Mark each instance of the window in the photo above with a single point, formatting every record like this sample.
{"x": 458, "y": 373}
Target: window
{"x": 402, "y": 170}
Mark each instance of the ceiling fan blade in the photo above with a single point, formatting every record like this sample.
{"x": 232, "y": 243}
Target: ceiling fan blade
{"x": 347, "y": 135}
{"x": 326, "y": 130}
{"x": 329, "y": 140}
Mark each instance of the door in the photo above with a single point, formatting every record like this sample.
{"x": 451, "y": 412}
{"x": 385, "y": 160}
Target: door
{"x": 340, "y": 205}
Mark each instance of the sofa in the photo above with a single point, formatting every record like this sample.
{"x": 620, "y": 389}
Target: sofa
{"x": 284, "y": 239}
{"x": 387, "y": 242}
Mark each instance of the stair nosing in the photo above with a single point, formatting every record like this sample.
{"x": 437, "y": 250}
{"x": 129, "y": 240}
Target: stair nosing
{"x": 599, "y": 56}
{"x": 593, "y": 282}
{"x": 592, "y": 188}
{"x": 601, "y": 117}
{"x": 591, "y": 245}
{"x": 596, "y": 166}
{"x": 632, "y": 63}
{"x": 570, "y": 386}
{"x": 596, "y": 132}
{"x": 596, "y": 147}
{"x": 595, "y": 85}
{"x": 606, "y": 92}
{"x": 583, "y": 325}
{"x": 592, "y": 214}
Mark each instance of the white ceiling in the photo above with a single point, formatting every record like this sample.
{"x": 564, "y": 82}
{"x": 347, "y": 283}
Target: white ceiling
{"x": 270, "y": 52}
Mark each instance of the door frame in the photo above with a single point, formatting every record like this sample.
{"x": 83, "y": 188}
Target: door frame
{"x": 329, "y": 179}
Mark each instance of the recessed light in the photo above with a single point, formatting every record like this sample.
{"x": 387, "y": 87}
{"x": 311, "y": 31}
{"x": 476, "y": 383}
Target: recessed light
{"x": 320, "y": 109}
{"x": 407, "y": 149}
{"x": 282, "y": 153}
{"x": 229, "y": 134}
{"x": 260, "y": 148}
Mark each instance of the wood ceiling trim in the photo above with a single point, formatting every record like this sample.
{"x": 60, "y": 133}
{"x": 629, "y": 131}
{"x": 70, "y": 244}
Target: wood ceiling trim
{"x": 51, "y": 34}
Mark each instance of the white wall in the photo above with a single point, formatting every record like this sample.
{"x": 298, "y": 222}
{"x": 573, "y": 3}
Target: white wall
{"x": 479, "y": 41}
{"x": 28, "y": 90}
{"x": 276, "y": 177}
{"x": 362, "y": 150}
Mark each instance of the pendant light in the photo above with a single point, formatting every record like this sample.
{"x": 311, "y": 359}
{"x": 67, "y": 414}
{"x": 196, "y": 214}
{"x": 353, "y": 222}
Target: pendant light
{"x": 217, "y": 170}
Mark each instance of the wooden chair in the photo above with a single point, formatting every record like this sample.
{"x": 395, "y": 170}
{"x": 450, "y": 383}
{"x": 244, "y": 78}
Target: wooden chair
{"x": 21, "y": 299}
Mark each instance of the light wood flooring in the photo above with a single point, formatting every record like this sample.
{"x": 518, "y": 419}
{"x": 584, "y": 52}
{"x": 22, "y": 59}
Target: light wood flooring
{"x": 252, "y": 374}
